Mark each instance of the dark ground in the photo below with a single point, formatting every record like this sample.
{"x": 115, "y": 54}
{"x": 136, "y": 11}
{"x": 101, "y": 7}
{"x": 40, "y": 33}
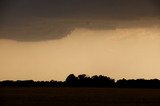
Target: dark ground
{"x": 79, "y": 97}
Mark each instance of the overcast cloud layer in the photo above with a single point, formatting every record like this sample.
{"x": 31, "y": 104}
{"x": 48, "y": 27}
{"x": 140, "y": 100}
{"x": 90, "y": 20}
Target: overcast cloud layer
{"x": 38, "y": 20}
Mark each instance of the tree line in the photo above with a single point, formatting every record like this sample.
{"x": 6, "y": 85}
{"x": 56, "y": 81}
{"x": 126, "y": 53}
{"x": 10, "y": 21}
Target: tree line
{"x": 85, "y": 81}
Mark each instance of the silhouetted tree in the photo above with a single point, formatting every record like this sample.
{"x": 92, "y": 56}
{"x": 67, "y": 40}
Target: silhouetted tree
{"x": 84, "y": 80}
{"x": 103, "y": 81}
{"x": 71, "y": 80}
{"x": 122, "y": 83}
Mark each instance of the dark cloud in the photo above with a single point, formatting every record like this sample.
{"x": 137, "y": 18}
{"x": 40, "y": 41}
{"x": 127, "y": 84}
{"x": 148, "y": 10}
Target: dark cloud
{"x": 34, "y": 20}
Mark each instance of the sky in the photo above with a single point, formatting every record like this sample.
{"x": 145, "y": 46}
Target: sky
{"x": 50, "y": 39}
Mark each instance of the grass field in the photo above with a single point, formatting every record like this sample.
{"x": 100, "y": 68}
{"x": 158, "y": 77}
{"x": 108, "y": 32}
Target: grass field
{"x": 78, "y": 97}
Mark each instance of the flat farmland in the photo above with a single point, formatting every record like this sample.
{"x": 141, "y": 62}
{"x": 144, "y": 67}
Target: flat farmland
{"x": 79, "y": 97}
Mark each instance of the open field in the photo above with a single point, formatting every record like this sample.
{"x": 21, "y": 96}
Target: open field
{"x": 78, "y": 97}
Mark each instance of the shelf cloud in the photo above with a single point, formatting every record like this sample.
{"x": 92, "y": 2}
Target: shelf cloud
{"x": 39, "y": 20}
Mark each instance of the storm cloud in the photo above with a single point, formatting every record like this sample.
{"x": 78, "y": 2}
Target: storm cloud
{"x": 38, "y": 20}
